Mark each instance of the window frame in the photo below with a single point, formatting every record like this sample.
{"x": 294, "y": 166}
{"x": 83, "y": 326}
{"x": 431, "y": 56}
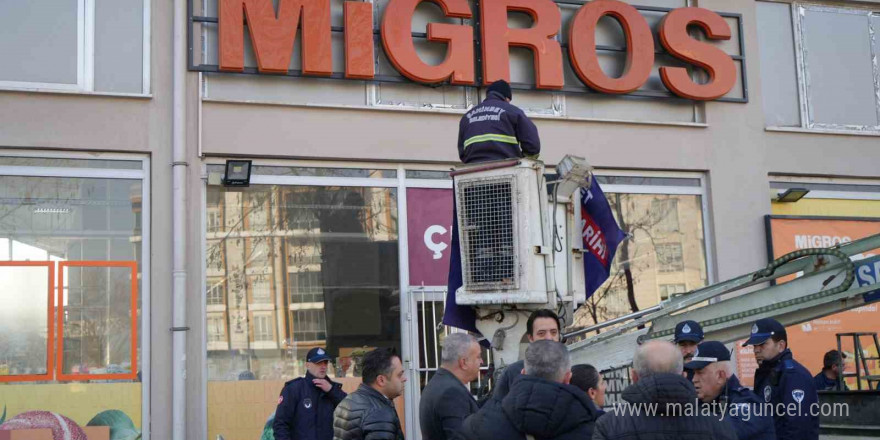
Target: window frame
{"x": 142, "y": 174}
{"x": 85, "y": 56}
{"x": 802, "y": 68}
{"x": 224, "y": 321}
{"x": 661, "y": 262}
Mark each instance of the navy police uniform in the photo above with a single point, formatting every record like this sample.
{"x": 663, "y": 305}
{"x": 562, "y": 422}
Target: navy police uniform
{"x": 782, "y": 381}
{"x": 688, "y": 331}
{"x": 742, "y": 408}
{"x": 305, "y": 412}
{"x": 496, "y": 129}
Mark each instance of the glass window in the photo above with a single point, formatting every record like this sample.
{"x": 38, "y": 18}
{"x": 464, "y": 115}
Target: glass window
{"x": 263, "y": 328}
{"x": 47, "y": 45}
{"x": 70, "y": 270}
{"x": 324, "y": 274}
{"x": 849, "y": 54}
{"x": 669, "y": 258}
{"x": 309, "y": 325}
{"x": 666, "y": 211}
{"x": 667, "y": 290}
{"x": 216, "y": 291}
{"x": 323, "y": 172}
{"x": 26, "y": 320}
{"x": 425, "y": 174}
{"x": 216, "y": 328}
{"x": 261, "y": 289}
{"x": 812, "y": 80}
{"x": 40, "y": 41}
{"x": 664, "y": 255}
{"x": 215, "y": 220}
{"x": 70, "y": 163}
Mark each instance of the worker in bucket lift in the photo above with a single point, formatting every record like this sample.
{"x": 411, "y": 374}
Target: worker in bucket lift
{"x": 495, "y": 129}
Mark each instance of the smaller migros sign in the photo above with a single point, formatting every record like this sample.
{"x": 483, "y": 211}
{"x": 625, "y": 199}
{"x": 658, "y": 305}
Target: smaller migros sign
{"x": 477, "y": 54}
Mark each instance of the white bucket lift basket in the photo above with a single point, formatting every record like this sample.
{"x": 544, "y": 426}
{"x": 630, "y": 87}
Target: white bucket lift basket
{"x": 501, "y": 235}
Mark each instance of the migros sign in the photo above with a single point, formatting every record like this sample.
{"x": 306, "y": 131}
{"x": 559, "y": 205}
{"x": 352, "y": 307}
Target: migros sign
{"x": 273, "y": 34}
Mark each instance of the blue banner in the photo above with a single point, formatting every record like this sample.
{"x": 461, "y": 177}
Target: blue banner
{"x": 600, "y": 234}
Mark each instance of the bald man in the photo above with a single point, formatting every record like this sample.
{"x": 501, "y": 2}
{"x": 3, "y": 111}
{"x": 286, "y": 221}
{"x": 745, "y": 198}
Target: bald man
{"x": 659, "y": 399}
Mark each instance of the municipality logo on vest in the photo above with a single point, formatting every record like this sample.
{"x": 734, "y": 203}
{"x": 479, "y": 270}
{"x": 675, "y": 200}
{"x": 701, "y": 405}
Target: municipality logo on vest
{"x": 768, "y": 393}
{"x": 686, "y": 329}
{"x": 798, "y": 395}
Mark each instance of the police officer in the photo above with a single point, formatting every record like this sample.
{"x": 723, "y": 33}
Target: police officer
{"x": 495, "y": 129}
{"x": 305, "y": 408}
{"x": 687, "y": 335}
{"x": 784, "y": 382}
{"x": 717, "y": 386}
{"x": 829, "y": 377}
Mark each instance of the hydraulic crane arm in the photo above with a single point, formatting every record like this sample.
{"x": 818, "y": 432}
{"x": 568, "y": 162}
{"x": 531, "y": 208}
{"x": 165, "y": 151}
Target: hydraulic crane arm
{"x": 727, "y": 310}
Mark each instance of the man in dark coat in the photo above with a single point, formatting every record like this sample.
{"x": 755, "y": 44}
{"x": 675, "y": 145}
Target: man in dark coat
{"x": 719, "y": 389}
{"x": 369, "y": 412}
{"x": 783, "y": 381}
{"x": 542, "y": 325}
{"x": 540, "y": 405}
{"x": 687, "y": 335}
{"x": 446, "y": 401}
{"x": 657, "y": 403}
{"x": 495, "y": 129}
{"x": 306, "y": 405}
{"x": 829, "y": 377}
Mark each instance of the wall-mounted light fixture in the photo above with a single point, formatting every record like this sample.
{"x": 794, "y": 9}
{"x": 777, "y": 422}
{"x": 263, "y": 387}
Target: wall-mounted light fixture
{"x": 574, "y": 172}
{"x": 238, "y": 173}
{"x": 792, "y": 195}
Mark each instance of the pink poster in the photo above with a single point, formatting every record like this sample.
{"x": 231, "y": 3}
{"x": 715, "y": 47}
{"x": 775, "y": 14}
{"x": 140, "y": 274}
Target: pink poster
{"x": 429, "y": 225}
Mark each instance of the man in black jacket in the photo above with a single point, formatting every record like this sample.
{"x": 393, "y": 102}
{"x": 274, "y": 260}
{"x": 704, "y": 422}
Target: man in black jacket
{"x": 542, "y": 325}
{"x": 305, "y": 408}
{"x": 369, "y": 412}
{"x": 661, "y": 403}
{"x": 540, "y": 405}
{"x": 446, "y": 400}
{"x": 495, "y": 129}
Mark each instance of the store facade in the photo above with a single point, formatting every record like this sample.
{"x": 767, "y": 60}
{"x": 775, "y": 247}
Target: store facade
{"x": 341, "y": 239}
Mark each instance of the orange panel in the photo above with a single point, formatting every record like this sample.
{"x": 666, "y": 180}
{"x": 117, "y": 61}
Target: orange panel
{"x": 134, "y": 331}
{"x": 50, "y": 322}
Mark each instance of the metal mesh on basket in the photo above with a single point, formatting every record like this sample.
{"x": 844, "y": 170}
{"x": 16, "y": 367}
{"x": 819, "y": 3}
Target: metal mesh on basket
{"x": 488, "y": 233}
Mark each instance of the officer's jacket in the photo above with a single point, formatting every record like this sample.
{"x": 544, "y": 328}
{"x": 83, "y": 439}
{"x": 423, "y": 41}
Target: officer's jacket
{"x": 305, "y": 412}
{"x": 495, "y": 130}
{"x": 786, "y": 384}
{"x": 742, "y": 410}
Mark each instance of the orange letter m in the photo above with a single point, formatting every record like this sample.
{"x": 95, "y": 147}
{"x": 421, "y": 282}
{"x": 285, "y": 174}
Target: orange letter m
{"x": 273, "y": 37}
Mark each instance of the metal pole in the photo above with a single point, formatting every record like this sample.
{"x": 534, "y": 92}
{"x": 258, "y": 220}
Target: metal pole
{"x": 611, "y": 322}
{"x": 178, "y": 222}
